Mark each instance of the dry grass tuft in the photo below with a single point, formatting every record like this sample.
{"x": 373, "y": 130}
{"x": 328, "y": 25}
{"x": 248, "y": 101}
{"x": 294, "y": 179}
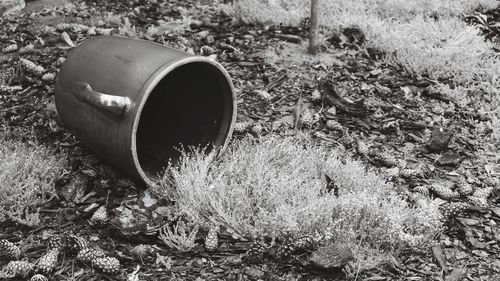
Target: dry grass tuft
{"x": 27, "y": 174}
{"x": 276, "y": 187}
{"x": 407, "y": 31}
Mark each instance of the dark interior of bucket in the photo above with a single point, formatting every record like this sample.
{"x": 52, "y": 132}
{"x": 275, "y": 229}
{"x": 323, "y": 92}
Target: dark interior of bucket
{"x": 191, "y": 106}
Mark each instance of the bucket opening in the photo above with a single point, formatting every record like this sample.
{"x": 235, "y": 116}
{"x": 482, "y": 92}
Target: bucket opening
{"x": 191, "y": 106}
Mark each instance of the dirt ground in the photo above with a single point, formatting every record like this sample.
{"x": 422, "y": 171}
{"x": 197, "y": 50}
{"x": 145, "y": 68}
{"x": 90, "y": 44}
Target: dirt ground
{"x": 346, "y": 97}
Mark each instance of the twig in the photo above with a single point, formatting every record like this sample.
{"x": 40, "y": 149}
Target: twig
{"x": 275, "y": 83}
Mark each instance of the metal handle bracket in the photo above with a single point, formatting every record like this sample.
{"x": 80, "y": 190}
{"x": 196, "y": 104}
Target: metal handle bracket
{"x": 115, "y": 105}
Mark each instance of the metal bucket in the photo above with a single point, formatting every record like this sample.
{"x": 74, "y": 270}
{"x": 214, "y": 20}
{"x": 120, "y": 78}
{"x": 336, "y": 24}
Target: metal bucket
{"x": 135, "y": 103}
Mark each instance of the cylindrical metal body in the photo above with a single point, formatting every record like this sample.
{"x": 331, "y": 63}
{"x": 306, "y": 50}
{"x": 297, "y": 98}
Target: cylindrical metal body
{"x": 136, "y": 103}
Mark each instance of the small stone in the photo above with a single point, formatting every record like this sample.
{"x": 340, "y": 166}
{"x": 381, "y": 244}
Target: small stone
{"x": 439, "y": 140}
{"x": 331, "y": 113}
{"x": 449, "y": 159}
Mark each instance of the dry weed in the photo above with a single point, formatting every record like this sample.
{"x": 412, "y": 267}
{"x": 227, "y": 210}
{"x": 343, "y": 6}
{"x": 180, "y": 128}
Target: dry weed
{"x": 277, "y": 187}
{"x": 27, "y": 175}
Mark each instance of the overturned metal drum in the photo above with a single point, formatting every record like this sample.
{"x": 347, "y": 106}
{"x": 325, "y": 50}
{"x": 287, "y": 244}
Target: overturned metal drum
{"x": 136, "y": 103}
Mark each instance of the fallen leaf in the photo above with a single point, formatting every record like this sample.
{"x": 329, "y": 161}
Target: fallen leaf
{"x": 456, "y": 275}
{"x": 437, "y": 251}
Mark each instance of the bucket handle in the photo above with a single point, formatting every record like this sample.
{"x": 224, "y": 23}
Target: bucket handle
{"x": 115, "y": 105}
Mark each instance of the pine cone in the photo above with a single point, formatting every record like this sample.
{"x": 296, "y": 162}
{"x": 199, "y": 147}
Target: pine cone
{"x": 444, "y": 192}
{"x": 307, "y": 118}
{"x": 422, "y": 189}
{"x": 483, "y": 192}
{"x": 316, "y": 95}
{"x": 10, "y": 48}
{"x": 141, "y": 251}
{"x": 18, "y": 269}
{"x": 55, "y": 242}
{"x": 50, "y": 76}
{"x": 257, "y": 129}
{"x": 363, "y": 148}
{"x": 290, "y": 247}
{"x": 39, "y": 277}
{"x": 477, "y": 201}
{"x": 212, "y": 241}
{"x": 207, "y": 51}
{"x": 48, "y": 262}
{"x": 9, "y": 249}
{"x": 255, "y": 253}
{"x": 107, "y": 265}
{"x": 241, "y": 127}
{"x": 75, "y": 244}
{"x": 409, "y": 173}
{"x": 6, "y": 75}
{"x": 452, "y": 209}
{"x": 31, "y": 66}
{"x": 100, "y": 217}
{"x": 464, "y": 188}
{"x": 88, "y": 255}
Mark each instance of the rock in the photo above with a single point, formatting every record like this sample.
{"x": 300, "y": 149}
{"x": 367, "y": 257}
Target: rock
{"x": 439, "y": 140}
{"x": 331, "y": 113}
{"x": 449, "y": 159}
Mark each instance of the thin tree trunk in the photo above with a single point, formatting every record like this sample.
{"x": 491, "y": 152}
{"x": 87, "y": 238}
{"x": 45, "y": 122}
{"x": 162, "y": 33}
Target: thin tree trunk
{"x": 314, "y": 29}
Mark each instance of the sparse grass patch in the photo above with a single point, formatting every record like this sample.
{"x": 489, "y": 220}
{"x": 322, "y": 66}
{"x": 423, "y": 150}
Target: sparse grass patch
{"x": 425, "y": 36}
{"x": 277, "y": 187}
{"x": 27, "y": 175}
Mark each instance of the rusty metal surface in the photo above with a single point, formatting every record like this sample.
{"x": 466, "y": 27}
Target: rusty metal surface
{"x": 106, "y": 82}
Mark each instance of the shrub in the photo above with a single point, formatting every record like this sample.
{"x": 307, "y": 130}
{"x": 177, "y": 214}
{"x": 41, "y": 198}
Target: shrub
{"x": 277, "y": 188}
{"x": 27, "y": 174}
{"x": 444, "y": 49}
{"x": 339, "y": 12}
